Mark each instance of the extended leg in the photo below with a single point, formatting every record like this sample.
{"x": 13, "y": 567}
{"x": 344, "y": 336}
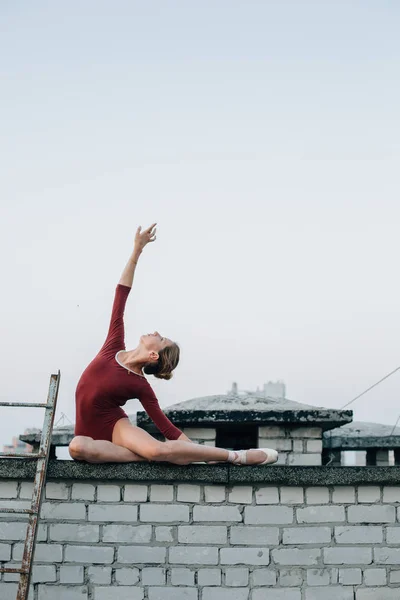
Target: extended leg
{"x": 100, "y": 451}
{"x": 178, "y": 452}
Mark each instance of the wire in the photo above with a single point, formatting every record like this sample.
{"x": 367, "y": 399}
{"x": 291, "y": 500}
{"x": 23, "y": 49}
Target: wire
{"x": 394, "y": 426}
{"x": 370, "y": 388}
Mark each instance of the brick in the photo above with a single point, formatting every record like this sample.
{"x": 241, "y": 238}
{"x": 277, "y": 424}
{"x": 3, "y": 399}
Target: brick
{"x": 391, "y": 493}
{"x": 141, "y": 554}
{"x": 273, "y": 515}
{"x": 393, "y": 535}
{"x": 216, "y": 513}
{"x": 26, "y": 490}
{"x": 345, "y": 494}
{"x": 263, "y": 577}
{"x": 317, "y": 495}
{"x": 295, "y": 556}
{"x": 200, "y": 433}
{"x": 298, "y": 446}
{"x": 72, "y": 532}
{"x": 387, "y": 556}
{"x": 292, "y": 495}
{"x": 377, "y": 594}
{"x": 214, "y": 593}
{"x": 136, "y": 534}
{"x": 71, "y": 574}
{"x": 164, "y": 513}
{"x": 277, "y": 594}
{"x": 50, "y": 592}
{"x": 280, "y": 444}
{"x": 244, "y": 556}
{"x": 196, "y": 555}
{"x": 394, "y": 576}
{"x": 299, "y": 458}
{"x": 214, "y": 493}
{"x": 113, "y": 513}
{"x": 202, "y": 534}
{"x": 236, "y": 577}
{"x": 108, "y": 493}
{"x": 209, "y": 577}
{"x": 306, "y": 432}
{"x": 372, "y": 514}
{"x": 241, "y": 495}
{"x": 8, "y": 591}
{"x": 267, "y": 495}
{"x": 182, "y": 577}
{"x": 290, "y": 577}
{"x": 153, "y": 576}
{"x": 83, "y": 491}
{"x": 60, "y": 511}
{"x": 45, "y": 574}
{"x": 51, "y": 553}
{"x": 350, "y": 576}
{"x": 127, "y": 576}
{"x": 135, "y": 493}
{"x": 161, "y": 493}
{"x": 8, "y": 489}
{"x": 357, "y": 555}
{"x": 112, "y": 592}
{"x": 188, "y": 493}
{"x": 164, "y": 534}
{"x": 271, "y": 431}
{"x": 57, "y": 491}
{"x": 5, "y": 552}
{"x": 173, "y": 593}
{"x": 358, "y": 535}
{"x": 306, "y": 535}
{"x": 318, "y": 577}
{"x": 314, "y": 446}
{"x": 375, "y": 577}
{"x": 249, "y": 536}
{"x": 369, "y": 493}
{"x": 89, "y": 554}
{"x": 15, "y": 531}
{"x": 320, "y": 514}
{"x": 101, "y": 575}
{"x": 335, "y": 592}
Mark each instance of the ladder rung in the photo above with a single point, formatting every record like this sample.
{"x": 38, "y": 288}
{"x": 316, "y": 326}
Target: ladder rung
{"x": 9, "y": 570}
{"x": 18, "y": 511}
{"x": 23, "y": 454}
{"x": 25, "y": 404}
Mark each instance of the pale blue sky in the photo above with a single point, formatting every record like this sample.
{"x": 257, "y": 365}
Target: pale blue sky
{"x": 264, "y": 138}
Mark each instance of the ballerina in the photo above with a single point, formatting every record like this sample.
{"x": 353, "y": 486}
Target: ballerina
{"x": 103, "y": 431}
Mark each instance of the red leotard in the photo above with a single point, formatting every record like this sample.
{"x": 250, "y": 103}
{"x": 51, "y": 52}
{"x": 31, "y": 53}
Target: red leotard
{"x": 105, "y": 385}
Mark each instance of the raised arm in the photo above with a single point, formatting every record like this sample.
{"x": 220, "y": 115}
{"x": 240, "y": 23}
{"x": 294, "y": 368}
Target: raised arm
{"x": 141, "y": 239}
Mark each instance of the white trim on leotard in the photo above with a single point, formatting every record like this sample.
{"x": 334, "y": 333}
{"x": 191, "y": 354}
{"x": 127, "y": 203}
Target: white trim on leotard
{"x": 121, "y": 365}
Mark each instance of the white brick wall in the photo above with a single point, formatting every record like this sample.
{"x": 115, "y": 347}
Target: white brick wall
{"x": 104, "y": 541}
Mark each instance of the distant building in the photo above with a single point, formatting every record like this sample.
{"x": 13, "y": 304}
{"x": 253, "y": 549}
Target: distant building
{"x": 19, "y": 447}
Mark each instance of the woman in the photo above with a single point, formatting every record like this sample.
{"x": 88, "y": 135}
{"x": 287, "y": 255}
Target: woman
{"x": 103, "y": 430}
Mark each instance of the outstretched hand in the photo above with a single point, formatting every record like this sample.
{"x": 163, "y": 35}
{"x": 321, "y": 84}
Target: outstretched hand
{"x": 142, "y": 238}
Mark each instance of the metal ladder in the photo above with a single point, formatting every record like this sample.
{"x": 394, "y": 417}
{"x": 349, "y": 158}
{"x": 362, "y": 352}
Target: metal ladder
{"x": 42, "y": 457}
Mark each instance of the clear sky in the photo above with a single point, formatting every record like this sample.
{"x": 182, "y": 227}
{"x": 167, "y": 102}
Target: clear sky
{"x": 264, "y": 138}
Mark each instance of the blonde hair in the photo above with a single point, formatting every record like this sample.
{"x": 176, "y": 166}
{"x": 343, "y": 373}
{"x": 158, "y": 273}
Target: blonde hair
{"x": 167, "y": 362}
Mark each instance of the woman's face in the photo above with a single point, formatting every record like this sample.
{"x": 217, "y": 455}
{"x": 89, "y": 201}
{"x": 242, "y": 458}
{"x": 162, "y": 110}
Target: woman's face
{"x": 155, "y": 342}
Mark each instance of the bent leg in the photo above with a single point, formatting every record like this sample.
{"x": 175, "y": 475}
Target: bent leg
{"x": 177, "y": 452}
{"x": 100, "y": 451}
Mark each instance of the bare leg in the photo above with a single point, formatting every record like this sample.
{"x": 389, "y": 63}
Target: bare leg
{"x": 100, "y": 451}
{"x": 178, "y": 452}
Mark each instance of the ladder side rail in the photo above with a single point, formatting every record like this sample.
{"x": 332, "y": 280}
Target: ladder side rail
{"x": 38, "y": 485}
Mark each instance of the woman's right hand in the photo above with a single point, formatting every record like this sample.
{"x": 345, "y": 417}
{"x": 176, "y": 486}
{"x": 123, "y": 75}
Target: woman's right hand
{"x": 142, "y": 238}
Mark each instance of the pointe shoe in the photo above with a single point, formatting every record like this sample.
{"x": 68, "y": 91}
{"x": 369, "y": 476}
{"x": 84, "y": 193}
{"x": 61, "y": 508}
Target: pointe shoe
{"x": 241, "y": 458}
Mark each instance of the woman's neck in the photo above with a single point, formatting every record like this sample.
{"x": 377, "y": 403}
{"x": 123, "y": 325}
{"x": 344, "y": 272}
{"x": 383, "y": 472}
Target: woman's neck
{"x": 133, "y": 360}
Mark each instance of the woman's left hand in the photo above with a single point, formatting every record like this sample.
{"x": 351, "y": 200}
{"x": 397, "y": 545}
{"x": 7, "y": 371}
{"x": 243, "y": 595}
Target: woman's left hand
{"x": 142, "y": 238}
